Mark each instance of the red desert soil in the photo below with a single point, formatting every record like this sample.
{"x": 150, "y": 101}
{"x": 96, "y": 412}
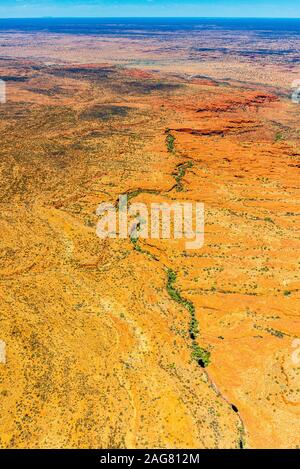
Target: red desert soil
{"x": 99, "y": 352}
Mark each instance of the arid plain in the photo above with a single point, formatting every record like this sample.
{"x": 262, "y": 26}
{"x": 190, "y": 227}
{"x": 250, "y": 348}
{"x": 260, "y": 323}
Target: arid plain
{"x": 98, "y": 332}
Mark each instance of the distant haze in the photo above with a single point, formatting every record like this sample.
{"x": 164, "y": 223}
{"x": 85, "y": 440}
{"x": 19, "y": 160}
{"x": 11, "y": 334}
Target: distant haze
{"x": 149, "y": 8}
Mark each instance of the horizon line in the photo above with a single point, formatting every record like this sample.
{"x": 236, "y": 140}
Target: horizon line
{"x": 150, "y": 17}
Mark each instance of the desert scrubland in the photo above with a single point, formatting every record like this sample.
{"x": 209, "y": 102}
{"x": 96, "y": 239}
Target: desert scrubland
{"x": 143, "y": 343}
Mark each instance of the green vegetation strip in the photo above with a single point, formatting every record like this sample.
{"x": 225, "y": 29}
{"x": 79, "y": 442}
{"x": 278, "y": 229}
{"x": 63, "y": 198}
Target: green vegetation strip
{"x": 136, "y": 192}
{"x": 179, "y": 174}
{"x": 198, "y": 353}
{"x": 170, "y": 141}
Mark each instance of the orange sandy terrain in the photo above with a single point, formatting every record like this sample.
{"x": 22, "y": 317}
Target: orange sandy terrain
{"x": 97, "y": 331}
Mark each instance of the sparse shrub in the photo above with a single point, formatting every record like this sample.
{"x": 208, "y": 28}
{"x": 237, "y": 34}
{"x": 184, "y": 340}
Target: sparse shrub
{"x": 278, "y": 136}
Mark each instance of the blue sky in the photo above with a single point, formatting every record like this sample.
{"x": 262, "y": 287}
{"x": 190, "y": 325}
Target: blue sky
{"x": 119, "y": 8}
